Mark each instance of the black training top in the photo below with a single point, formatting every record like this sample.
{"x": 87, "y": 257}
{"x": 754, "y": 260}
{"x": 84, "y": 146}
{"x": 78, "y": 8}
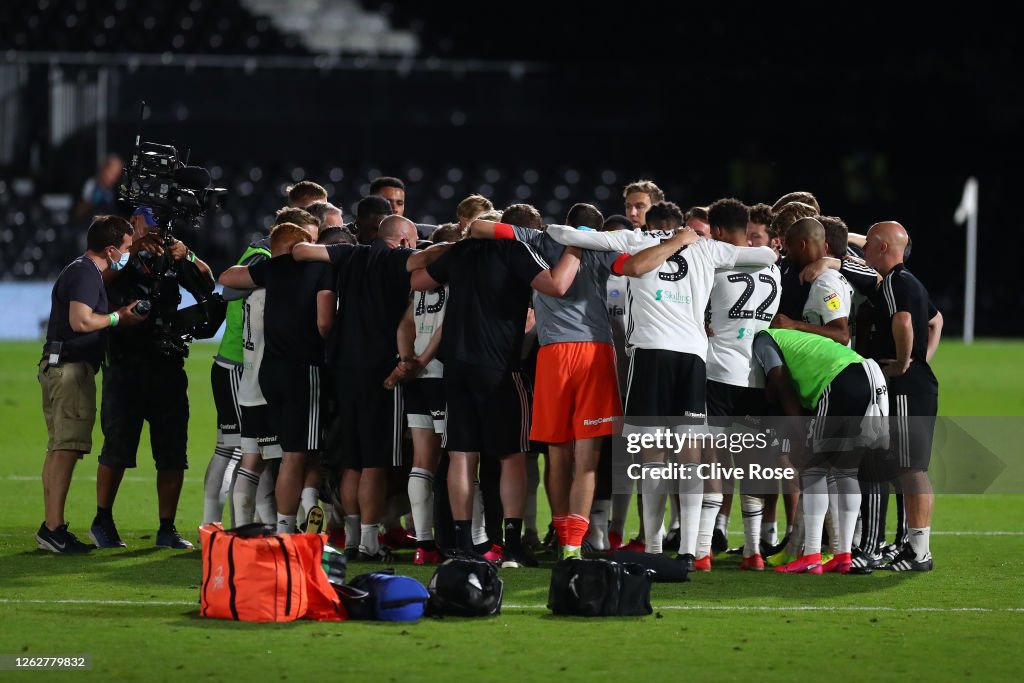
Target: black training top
{"x": 489, "y": 293}
{"x": 289, "y": 318}
{"x": 79, "y": 281}
{"x": 794, "y": 293}
{"x": 373, "y": 293}
{"x": 900, "y": 291}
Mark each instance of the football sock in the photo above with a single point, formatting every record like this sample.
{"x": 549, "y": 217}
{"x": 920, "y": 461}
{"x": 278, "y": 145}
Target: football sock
{"x": 104, "y": 514}
{"x": 753, "y": 509}
{"x": 832, "y": 516}
{"x": 919, "y": 539}
{"x": 421, "y": 498}
{"x": 352, "y": 531}
{"x": 213, "y": 482}
{"x": 368, "y": 540}
{"x": 464, "y": 533}
{"x": 597, "y": 534}
{"x": 620, "y": 508}
{"x": 848, "y": 508}
{"x": 576, "y": 529}
{"x": 673, "y": 515}
{"x": 691, "y": 499}
{"x": 722, "y": 523}
{"x": 814, "y": 496}
{"x": 266, "y": 503}
{"x": 654, "y": 509}
{"x": 711, "y": 503}
{"x": 243, "y": 498}
{"x": 167, "y": 524}
{"x": 513, "y": 534}
{"x": 561, "y": 529}
{"x": 285, "y": 524}
{"x": 770, "y": 532}
{"x": 309, "y": 498}
{"x": 479, "y": 520}
{"x": 901, "y": 516}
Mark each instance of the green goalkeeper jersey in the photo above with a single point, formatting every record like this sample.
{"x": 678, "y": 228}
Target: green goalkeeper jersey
{"x": 813, "y": 360}
{"x": 230, "y": 350}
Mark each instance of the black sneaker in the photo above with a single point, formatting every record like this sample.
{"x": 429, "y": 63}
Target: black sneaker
{"x": 382, "y": 556}
{"x": 104, "y": 534}
{"x": 891, "y": 551}
{"x": 170, "y": 538}
{"x": 670, "y": 544}
{"x": 767, "y": 549}
{"x": 907, "y": 561}
{"x": 516, "y": 559}
{"x": 687, "y": 559}
{"x": 861, "y": 559}
{"x": 719, "y": 543}
{"x": 60, "y": 540}
{"x": 351, "y": 553}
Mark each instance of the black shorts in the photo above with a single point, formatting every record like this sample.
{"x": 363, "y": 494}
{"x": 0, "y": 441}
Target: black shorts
{"x": 911, "y": 428}
{"x": 257, "y": 434}
{"x": 836, "y": 425}
{"x": 135, "y": 392}
{"x": 666, "y": 383}
{"x": 371, "y": 418}
{"x": 225, "y": 398}
{"x": 292, "y": 391}
{"x": 424, "y": 404}
{"x": 488, "y": 410}
{"x": 733, "y": 407}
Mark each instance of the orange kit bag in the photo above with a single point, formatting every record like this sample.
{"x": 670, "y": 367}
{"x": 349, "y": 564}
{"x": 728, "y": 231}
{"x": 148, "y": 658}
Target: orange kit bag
{"x": 254, "y": 574}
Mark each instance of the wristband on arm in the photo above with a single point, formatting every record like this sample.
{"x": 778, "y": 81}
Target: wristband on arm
{"x": 114, "y": 319}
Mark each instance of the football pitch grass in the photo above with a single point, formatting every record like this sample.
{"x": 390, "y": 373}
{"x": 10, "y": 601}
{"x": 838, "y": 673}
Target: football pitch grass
{"x": 135, "y": 611}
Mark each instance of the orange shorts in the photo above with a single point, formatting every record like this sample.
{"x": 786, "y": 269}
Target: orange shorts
{"x": 576, "y": 392}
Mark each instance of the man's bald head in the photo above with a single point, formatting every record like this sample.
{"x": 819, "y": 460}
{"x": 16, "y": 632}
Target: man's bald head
{"x": 886, "y": 245}
{"x": 396, "y": 231}
{"x": 805, "y": 241}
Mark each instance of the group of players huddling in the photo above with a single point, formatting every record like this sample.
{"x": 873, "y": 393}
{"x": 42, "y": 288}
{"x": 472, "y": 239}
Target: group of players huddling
{"x": 342, "y": 337}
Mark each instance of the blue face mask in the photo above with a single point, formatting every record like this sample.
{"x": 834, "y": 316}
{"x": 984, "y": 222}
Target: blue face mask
{"x": 121, "y": 262}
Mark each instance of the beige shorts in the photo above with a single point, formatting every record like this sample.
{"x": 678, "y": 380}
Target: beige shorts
{"x": 69, "y": 405}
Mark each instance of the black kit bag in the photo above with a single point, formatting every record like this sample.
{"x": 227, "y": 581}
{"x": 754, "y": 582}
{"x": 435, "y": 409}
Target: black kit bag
{"x": 599, "y": 588}
{"x": 465, "y": 587}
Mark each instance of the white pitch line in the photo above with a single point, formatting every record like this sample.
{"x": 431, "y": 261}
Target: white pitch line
{"x": 689, "y": 608}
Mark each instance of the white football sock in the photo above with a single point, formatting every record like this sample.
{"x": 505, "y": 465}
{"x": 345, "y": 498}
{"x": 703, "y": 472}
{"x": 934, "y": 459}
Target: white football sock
{"x": 654, "y": 510}
{"x": 243, "y": 498}
{"x": 285, "y": 524}
{"x": 352, "y": 531}
{"x": 832, "y": 516}
{"x": 308, "y": 500}
{"x": 770, "y": 533}
{"x": 479, "y": 522}
{"x": 920, "y": 542}
{"x": 849, "y": 508}
{"x": 752, "y": 508}
{"x": 673, "y": 515}
{"x": 421, "y": 497}
{"x": 711, "y": 503}
{"x": 691, "y": 498}
{"x": 814, "y": 496}
{"x": 368, "y": 541}
{"x": 266, "y": 502}
{"x": 722, "y": 523}
{"x": 597, "y": 532}
{"x": 213, "y": 484}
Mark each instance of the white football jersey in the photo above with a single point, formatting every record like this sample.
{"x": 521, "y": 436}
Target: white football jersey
{"x": 427, "y": 315}
{"x": 665, "y": 307}
{"x": 249, "y": 392}
{"x": 830, "y": 298}
{"x": 743, "y": 302}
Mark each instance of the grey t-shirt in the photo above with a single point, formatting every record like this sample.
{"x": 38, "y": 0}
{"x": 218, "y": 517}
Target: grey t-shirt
{"x": 582, "y": 314}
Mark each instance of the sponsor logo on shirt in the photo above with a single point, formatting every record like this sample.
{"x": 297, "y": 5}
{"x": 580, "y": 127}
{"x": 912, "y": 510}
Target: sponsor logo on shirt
{"x": 598, "y": 421}
{"x": 614, "y": 293}
{"x": 672, "y": 297}
{"x": 616, "y": 311}
{"x": 832, "y": 301}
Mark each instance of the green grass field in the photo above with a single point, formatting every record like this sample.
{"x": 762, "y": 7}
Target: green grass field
{"x": 135, "y": 611}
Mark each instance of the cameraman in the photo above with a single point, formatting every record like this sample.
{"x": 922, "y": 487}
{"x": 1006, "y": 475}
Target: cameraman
{"x": 76, "y": 337}
{"x": 144, "y": 377}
